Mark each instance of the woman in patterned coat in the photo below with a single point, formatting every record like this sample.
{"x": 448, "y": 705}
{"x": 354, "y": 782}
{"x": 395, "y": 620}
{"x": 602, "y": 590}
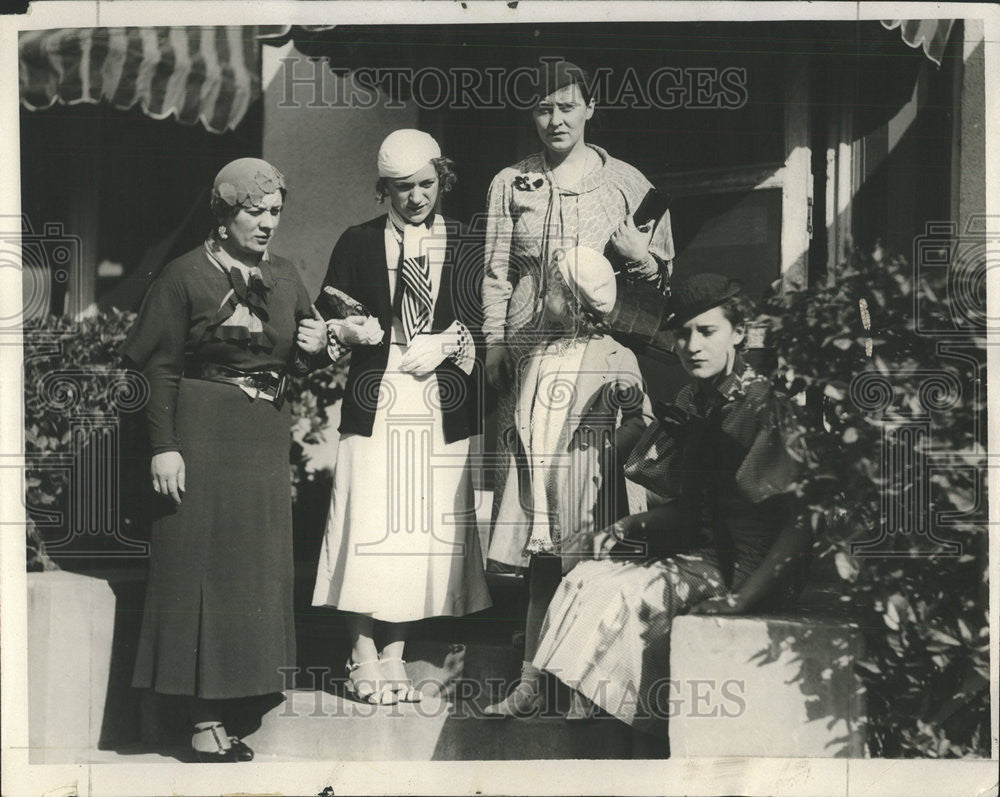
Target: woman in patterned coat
{"x": 570, "y": 194}
{"x": 581, "y": 410}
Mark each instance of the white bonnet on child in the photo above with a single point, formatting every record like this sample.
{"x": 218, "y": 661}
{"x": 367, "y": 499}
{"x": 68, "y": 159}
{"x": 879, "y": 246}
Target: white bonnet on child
{"x": 590, "y": 277}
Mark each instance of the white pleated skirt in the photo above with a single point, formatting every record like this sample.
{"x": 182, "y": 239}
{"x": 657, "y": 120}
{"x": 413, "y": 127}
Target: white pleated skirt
{"x": 401, "y": 539}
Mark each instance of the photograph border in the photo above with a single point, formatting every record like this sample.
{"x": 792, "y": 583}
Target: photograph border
{"x": 688, "y": 776}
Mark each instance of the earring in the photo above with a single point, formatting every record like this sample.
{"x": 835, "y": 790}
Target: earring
{"x": 223, "y": 232}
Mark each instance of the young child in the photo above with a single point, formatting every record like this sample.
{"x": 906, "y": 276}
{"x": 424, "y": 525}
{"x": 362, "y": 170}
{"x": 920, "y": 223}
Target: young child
{"x": 581, "y": 409}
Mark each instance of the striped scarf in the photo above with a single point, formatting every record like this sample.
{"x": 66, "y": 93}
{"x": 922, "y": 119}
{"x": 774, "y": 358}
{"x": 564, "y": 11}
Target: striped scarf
{"x": 417, "y": 304}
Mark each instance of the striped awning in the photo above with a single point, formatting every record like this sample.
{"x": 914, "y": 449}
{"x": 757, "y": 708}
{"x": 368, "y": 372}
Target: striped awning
{"x": 930, "y": 34}
{"x": 195, "y": 74}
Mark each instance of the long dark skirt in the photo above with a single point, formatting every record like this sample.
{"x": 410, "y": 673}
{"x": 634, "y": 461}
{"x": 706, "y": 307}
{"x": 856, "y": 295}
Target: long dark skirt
{"x": 218, "y": 620}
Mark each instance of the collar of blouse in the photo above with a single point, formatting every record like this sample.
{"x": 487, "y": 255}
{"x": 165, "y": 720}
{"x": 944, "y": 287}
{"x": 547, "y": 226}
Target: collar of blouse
{"x": 227, "y": 262}
{"x": 729, "y": 388}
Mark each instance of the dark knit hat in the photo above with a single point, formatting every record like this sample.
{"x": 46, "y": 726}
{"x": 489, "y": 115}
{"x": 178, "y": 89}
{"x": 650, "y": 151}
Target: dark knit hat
{"x": 554, "y": 74}
{"x": 696, "y": 294}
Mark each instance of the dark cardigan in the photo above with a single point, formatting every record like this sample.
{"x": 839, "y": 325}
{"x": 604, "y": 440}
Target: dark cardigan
{"x": 358, "y": 267}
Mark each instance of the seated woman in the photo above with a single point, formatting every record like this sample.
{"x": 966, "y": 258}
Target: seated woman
{"x": 723, "y": 466}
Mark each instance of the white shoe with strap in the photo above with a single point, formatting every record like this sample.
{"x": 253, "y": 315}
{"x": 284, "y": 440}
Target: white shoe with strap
{"x": 399, "y": 682}
{"x": 368, "y": 684}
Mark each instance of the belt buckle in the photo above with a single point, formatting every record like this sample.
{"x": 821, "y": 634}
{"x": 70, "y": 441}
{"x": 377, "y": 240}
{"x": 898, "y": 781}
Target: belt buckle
{"x": 279, "y": 391}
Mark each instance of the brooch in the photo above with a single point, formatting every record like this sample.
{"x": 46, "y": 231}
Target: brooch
{"x": 531, "y": 181}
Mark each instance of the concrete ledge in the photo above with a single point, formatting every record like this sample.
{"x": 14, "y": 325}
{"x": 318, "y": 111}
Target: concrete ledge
{"x": 71, "y": 621}
{"x": 778, "y": 685}
{"x": 781, "y": 686}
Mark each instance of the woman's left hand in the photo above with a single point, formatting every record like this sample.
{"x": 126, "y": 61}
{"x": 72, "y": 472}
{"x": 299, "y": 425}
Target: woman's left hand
{"x": 723, "y": 604}
{"x": 630, "y": 242}
{"x": 427, "y": 352}
{"x": 311, "y": 335}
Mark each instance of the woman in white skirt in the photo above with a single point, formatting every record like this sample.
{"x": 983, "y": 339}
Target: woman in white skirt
{"x": 401, "y": 542}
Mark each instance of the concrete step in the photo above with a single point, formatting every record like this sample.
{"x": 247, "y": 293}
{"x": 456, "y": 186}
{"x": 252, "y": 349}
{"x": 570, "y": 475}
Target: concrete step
{"x": 458, "y": 681}
{"x": 325, "y": 725}
{"x": 441, "y": 650}
{"x": 323, "y": 640}
{"x": 438, "y": 664}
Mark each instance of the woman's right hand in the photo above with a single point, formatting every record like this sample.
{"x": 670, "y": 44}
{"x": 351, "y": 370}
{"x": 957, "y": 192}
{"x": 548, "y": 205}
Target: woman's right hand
{"x": 499, "y": 371}
{"x": 167, "y": 470}
{"x": 603, "y": 541}
{"x": 607, "y": 538}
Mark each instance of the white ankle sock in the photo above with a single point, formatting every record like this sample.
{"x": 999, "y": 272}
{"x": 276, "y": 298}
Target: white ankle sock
{"x": 204, "y": 740}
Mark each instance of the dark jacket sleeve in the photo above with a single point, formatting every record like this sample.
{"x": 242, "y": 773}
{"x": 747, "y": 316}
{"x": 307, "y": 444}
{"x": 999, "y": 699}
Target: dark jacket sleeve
{"x": 155, "y": 346}
{"x": 339, "y": 274}
{"x": 461, "y": 300}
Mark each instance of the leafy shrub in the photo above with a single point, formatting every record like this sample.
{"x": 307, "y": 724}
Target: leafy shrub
{"x": 71, "y": 383}
{"x": 918, "y": 401}
{"x": 311, "y": 396}
{"x": 37, "y": 557}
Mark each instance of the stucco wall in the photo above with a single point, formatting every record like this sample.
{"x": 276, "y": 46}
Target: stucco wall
{"x": 327, "y": 154}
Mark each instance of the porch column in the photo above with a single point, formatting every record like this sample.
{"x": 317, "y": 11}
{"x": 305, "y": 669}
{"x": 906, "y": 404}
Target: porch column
{"x": 797, "y": 186}
{"x": 968, "y": 175}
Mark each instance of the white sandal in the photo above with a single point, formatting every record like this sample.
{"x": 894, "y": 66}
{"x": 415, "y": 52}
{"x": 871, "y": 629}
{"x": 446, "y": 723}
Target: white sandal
{"x": 372, "y": 690}
{"x": 401, "y": 685}
{"x": 525, "y": 700}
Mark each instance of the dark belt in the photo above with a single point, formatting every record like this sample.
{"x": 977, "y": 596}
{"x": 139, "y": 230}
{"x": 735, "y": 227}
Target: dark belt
{"x": 270, "y": 385}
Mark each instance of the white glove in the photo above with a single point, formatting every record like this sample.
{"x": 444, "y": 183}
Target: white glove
{"x": 427, "y": 352}
{"x": 356, "y": 330}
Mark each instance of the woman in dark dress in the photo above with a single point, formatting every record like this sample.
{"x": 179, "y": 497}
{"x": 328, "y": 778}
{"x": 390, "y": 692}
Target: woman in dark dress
{"x": 725, "y": 540}
{"x": 217, "y": 333}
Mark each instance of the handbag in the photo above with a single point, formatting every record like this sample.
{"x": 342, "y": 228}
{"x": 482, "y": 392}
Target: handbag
{"x": 638, "y": 313}
{"x": 334, "y": 304}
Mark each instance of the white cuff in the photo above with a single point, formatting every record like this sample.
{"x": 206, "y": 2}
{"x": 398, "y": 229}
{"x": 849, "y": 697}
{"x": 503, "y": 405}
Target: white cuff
{"x": 465, "y": 356}
{"x": 335, "y": 349}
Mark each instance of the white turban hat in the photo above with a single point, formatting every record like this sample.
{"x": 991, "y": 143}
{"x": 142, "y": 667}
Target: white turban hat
{"x": 405, "y": 152}
{"x": 590, "y": 277}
